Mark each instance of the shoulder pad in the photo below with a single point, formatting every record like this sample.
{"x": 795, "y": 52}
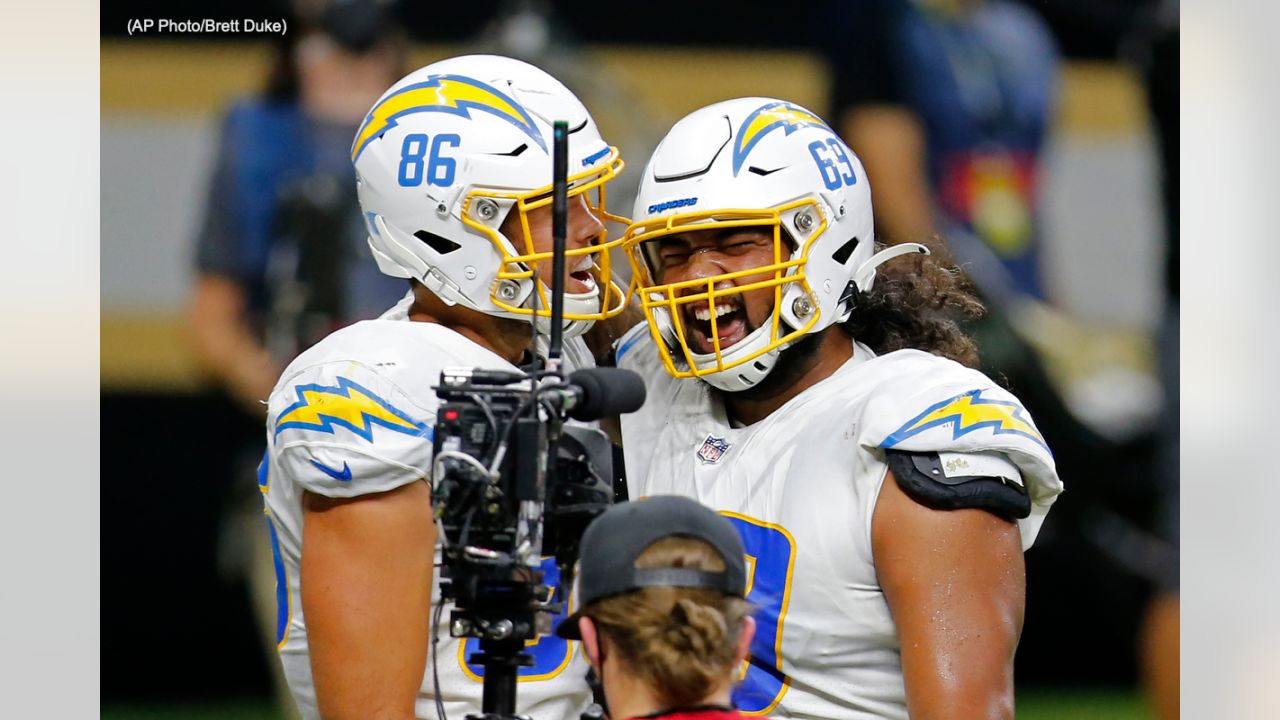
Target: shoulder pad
{"x": 343, "y": 429}
{"x": 574, "y": 353}
{"x": 623, "y": 345}
{"x": 954, "y": 481}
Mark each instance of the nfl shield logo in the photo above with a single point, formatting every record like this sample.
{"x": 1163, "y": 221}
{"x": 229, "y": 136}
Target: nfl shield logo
{"x": 713, "y": 448}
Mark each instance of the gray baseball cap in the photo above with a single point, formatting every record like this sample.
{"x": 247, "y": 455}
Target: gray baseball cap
{"x": 614, "y": 540}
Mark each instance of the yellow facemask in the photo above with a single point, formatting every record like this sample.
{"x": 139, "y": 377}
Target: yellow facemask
{"x": 518, "y": 267}
{"x": 661, "y": 302}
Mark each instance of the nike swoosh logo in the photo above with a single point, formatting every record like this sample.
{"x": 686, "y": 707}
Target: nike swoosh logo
{"x": 343, "y": 475}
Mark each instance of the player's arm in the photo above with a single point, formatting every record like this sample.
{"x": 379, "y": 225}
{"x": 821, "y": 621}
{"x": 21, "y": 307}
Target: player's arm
{"x": 956, "y": 585}
{"x": 366, "y": 594}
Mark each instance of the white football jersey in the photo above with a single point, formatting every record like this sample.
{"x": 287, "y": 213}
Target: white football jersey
{"x": 354, "y": 415}
{"x": 801, "y": 486}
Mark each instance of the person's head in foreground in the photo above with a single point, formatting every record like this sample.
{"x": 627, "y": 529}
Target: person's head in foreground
{"x": 662, "y": 619}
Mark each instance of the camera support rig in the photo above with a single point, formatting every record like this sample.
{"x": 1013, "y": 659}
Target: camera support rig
{"x": 493, "y": 435}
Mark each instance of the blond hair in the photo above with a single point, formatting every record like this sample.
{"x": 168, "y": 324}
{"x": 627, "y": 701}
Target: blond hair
{"x": 681, "y": 642}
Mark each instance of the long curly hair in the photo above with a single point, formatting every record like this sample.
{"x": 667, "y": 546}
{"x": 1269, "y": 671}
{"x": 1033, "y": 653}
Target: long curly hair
{"x": 918, "y": 301}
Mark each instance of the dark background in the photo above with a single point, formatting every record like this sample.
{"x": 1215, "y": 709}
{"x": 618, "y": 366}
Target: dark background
{"x": 1083, "y": 28}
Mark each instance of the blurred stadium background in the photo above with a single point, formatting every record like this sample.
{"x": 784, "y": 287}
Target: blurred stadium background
{"x": 178, "y": 633}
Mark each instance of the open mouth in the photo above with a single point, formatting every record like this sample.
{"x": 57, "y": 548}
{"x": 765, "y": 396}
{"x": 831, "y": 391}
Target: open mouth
{"x": 580, "y": 280}
{"x": 730, "y": 324}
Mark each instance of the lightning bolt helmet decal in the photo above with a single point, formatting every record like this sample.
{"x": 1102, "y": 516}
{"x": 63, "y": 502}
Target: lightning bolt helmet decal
{"x": 764, "y": 120}
{"x": 321, "y": 408}
{"x": 452, "y": 94}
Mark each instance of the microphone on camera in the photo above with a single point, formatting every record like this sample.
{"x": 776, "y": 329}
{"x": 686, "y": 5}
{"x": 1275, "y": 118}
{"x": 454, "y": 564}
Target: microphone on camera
{"x": 594, "y": 393}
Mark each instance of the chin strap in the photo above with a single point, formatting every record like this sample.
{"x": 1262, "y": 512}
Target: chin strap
{"x": 865, "y": 275}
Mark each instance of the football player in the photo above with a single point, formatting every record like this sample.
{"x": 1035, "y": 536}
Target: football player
{"x": 819, "y": 398}
{"x": 453, "y": 168}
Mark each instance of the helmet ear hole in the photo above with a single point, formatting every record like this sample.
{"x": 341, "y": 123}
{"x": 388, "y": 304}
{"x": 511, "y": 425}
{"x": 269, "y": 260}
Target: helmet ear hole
{"x": 845, "y": 251}
{"x": 442, "y": 245}
{"x": 849, "y": 298}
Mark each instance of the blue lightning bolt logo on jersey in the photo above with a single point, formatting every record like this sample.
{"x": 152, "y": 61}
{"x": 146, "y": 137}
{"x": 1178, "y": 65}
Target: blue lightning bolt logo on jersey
{"x": 322, "y": 408}
{"x": 766, "y": 119}
{"x": 966, "y": 413}
{"x": 452, "y": 94}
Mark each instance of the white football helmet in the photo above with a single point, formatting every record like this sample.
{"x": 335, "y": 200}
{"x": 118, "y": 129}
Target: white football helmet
{"x": 448, "y": 152}
{"x": 755, "y": 162}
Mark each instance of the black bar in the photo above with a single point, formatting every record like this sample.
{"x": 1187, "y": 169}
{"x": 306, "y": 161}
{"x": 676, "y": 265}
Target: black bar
{"x": 525, "y": 452}
{"x": 501, "y": 660}
{"x": 559, "y": 230}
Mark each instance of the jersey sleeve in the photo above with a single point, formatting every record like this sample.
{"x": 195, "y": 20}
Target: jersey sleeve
{"x": 635, "y": 351}
{"x": 344, "y": 429}
{"x": 934, "y": 405}
{"x": 574, "y": 353}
